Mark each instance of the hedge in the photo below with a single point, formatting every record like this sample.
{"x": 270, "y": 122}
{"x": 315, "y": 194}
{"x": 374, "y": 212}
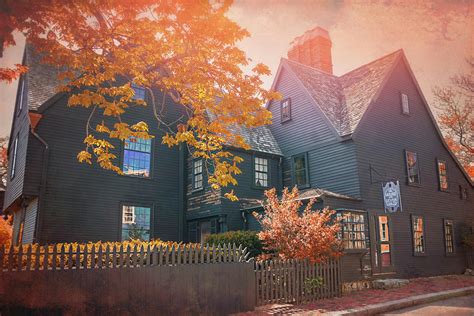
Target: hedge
{"x": 248, "y": 239}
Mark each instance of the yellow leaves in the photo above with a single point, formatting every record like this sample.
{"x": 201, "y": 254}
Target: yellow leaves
{"x": 140, "y": 127}
{"x": 84, "y": 156}
{"x": 231, "y": 196}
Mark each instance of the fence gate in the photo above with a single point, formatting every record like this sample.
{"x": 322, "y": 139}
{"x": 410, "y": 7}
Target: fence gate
{"x": 296, "y": 281}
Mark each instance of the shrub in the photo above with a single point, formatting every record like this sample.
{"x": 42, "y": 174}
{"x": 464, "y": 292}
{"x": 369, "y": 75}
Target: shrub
{"x": 248, "y": 239}
{"x": 5, "y": 232}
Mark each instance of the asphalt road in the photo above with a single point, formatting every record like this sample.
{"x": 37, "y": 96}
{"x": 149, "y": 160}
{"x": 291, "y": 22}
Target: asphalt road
{"x": 457, "y": 306}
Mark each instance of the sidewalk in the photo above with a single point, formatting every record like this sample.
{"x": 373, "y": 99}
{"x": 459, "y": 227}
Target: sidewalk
{"x": 358, "y": 300}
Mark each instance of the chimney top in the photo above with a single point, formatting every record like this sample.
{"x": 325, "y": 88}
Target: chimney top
{"x": 310, "y": 34}
{"x": 313, "y": 48}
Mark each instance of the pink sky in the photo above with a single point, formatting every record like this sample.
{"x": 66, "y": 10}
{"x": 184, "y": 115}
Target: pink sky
{"x": 437, "y": 36}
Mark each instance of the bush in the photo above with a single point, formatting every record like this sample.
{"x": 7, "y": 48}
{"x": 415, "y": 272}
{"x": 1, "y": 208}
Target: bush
{"x": 5, "y": 232}
{"x": 248, "y": 239}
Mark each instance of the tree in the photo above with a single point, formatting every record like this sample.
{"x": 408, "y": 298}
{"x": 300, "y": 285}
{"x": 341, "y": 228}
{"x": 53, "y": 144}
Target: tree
{"x": 456, "y": 105}
{"x": 292, "y": 234}
{"x": 187, "y": 49}
{"x": 3, "y": 162}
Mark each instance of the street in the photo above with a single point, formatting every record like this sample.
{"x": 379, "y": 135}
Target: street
{"x": 459, "y": 306}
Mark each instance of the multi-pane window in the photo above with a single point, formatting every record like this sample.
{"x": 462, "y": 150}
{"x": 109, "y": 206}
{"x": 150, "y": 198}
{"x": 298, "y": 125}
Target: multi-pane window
{"x": 14, "y": 154}
{"x": 197, "y": 174}
{"x": 136, "y": 222}
{"x": 353, "y": 230}
{"x": 261, "y": 172}
{"x": 139, "y": 92}
{"x": 449, "y": 236}
{"x": 137, "y": 157}
{"x": 418, "y": 229}
{"x": 442, "y": 175}
{"x": 413, "y": 171}
{"x": 300, "y": 170}
{"x": 405, "y": 104}
{"x": 285, "y": 110}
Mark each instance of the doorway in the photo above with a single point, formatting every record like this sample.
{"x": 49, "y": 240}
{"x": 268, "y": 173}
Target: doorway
{"x": 383, "y": 254}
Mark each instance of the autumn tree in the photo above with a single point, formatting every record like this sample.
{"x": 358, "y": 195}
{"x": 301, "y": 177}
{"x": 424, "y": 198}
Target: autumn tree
{"x": 187, "y": 49}
{"x": 5, "y": 231}
{"x": 295, "y": 233}
{"x": 3, "y": 162}
{"x": 455, "y": 103}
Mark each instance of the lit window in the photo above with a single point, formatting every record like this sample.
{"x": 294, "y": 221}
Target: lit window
{"x": 300, "y": 170}
{"x": 285, "y": 110}
{"x": 418, "y": 234}
{"x": 14, "y": 152}
{"x": 442, "y": 175}
{"x": 197, "y": 174}
{"x": 261, "y": 172}
{"x": 136, "y": 222}
{"x": 137, "y": 157}
{"x": 413, "y": 172}
{"x": 449, "y": 236}
{"x": 353, "y": 230}
{"x": 405, "y": 104}
{"x": 139, "y": 92}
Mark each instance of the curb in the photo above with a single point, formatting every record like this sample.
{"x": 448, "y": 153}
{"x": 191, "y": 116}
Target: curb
{"x": 403, "y": 303}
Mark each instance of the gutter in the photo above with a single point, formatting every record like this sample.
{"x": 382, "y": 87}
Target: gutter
{"x": 42, "y": 192}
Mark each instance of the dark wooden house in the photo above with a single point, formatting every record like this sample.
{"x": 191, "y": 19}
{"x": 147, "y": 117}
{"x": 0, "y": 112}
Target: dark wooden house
{"x": 340, "y": 139}
{"x": 344, "y": 137}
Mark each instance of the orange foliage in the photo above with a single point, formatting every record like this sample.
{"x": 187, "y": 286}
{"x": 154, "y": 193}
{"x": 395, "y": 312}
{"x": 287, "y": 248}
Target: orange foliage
{"x": 294, "y": 235}
{"x": 5, "y": 232}
{"x": 185, "y": 48}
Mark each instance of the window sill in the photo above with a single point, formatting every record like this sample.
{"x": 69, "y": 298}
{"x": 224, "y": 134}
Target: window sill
{"x": 356, "y": 251}
{"x": 444, "y": 191}
{"x": 450, "y": 254}
{"x": 303, "y": 186}
{"x": 414, "y": 185}
{"x": 256, "y": 187}
{"x": 284, "y": 121}
{"x": 419, "y": 254}
{"x": 137, "y": 177}
{"x": 197, "y": 190}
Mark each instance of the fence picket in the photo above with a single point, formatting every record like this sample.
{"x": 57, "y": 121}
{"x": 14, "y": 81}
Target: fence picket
{"x": 61, "y": 257}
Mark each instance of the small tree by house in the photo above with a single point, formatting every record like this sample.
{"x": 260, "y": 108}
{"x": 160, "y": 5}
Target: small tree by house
{"x": 3, "y": 162}
{"x": 292, "y": 234}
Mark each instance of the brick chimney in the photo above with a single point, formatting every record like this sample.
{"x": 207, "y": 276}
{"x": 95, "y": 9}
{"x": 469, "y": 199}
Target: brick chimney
{"x": 313, "y": 48}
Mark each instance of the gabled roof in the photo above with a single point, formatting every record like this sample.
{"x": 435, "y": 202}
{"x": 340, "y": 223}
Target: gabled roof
{"x": 42, "y": 79}
{"x": 43, "y": 85}
{"x": 344, "y": 99}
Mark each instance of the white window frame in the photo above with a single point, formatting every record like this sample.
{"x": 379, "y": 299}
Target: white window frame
{"x": 128, "y": 214}
{"x": 198, "y": 176}
{"x": 261, "y": 171}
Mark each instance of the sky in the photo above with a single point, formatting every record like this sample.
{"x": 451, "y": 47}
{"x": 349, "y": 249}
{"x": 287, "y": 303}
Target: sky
{"x": 436, "y": 36}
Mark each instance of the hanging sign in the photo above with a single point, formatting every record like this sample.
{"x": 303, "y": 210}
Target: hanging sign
{"x": 391, "y": 197}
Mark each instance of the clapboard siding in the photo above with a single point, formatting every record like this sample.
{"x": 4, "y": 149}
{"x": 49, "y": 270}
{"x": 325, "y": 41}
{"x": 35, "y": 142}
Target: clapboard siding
{"x": 30, "y": 222}
{"x": 332, "y": 162}
{"x": 83, "y": 202}
{"x": 381, "y": 139}
{"x": 20, "y": 129}
{"x": 246, "y": 188}
{"x": 208, "y": 203}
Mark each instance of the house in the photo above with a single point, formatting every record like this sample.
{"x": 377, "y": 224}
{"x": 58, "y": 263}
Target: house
{"x": 364, "y": 143}
{"x": 344, "y": 137}
{"x": 56, "y": 199}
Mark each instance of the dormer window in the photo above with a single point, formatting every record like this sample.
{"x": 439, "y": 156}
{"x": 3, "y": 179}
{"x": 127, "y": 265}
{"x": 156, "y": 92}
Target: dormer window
{"x": 139, "y": 92}
{"x": 405, "y": 104}
{"x": 285, "y": 108}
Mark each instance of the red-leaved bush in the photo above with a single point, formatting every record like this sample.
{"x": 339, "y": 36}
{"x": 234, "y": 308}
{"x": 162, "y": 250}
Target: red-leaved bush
{"x": 292, "y": 234}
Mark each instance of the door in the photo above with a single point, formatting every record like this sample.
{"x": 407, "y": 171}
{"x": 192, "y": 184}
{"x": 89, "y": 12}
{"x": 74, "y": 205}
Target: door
{"x": 383, "y": 256}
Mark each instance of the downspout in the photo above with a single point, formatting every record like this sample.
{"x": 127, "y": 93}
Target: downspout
{"x": 44, "y": 174}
